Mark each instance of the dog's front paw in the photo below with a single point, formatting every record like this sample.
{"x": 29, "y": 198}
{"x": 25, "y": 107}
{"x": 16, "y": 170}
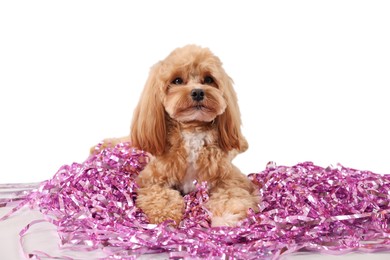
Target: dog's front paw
{"x": 226, "y": 219}
{"x": 161, "y": 204}
{"x": 229, "y": 206}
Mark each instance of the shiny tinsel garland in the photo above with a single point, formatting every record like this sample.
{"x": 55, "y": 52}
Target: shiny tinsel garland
{"x": 303, "y": 207}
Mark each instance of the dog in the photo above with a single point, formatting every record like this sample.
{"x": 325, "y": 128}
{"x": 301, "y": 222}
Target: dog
{"x": 189, "y": 120}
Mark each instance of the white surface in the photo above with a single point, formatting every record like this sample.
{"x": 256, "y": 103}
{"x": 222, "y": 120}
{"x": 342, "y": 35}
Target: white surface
{"x": 312, "y": 78}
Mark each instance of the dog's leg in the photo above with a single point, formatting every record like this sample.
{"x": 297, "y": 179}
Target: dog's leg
{"x": 161, "y": 203}
{"x": 229, "y": 205}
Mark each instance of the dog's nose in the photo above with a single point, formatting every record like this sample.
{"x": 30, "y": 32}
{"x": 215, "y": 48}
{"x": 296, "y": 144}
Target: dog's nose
{"x": 197, "y": 94}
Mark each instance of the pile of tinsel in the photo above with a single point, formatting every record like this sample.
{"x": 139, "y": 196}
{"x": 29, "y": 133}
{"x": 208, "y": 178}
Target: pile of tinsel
{"x": 303, "y": 207}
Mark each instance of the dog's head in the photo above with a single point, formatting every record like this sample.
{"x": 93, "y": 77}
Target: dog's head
{"x": 189, "y": 85}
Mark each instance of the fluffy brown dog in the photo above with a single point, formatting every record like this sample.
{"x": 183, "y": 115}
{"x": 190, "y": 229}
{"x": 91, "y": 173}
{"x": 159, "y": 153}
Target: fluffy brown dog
{"x": 188, "y": 119}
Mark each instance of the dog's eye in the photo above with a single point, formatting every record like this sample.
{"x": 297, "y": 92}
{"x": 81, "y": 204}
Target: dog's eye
{"x": 208, "y": 80}
{"x": 177, "y": 81}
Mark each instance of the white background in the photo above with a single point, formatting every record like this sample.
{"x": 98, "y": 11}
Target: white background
{"x": 311, "y": 76}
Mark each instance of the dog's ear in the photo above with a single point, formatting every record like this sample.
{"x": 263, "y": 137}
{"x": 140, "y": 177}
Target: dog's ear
{"x": 148, "y": 129}
{"x": 229, "y": 123}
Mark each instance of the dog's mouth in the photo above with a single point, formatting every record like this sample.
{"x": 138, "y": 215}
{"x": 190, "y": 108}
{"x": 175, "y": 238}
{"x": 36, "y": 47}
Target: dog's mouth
{"x": 195, "y": 112}
{"x": 200, "y": 107}
{"x": 196, "y": 108}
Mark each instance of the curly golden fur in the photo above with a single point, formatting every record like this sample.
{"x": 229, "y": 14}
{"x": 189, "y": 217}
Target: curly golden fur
{"x": 189, "y": 120}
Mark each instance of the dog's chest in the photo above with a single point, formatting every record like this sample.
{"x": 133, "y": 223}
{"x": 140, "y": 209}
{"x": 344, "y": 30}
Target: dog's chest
{"x": 194, "y": 144}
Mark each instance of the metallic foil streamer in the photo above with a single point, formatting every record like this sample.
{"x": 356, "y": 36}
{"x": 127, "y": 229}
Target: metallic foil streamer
{"x": 304, "y": 207}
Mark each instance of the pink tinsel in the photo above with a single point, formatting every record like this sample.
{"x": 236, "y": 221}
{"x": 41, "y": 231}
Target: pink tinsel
{"x": 304, "y": 207}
